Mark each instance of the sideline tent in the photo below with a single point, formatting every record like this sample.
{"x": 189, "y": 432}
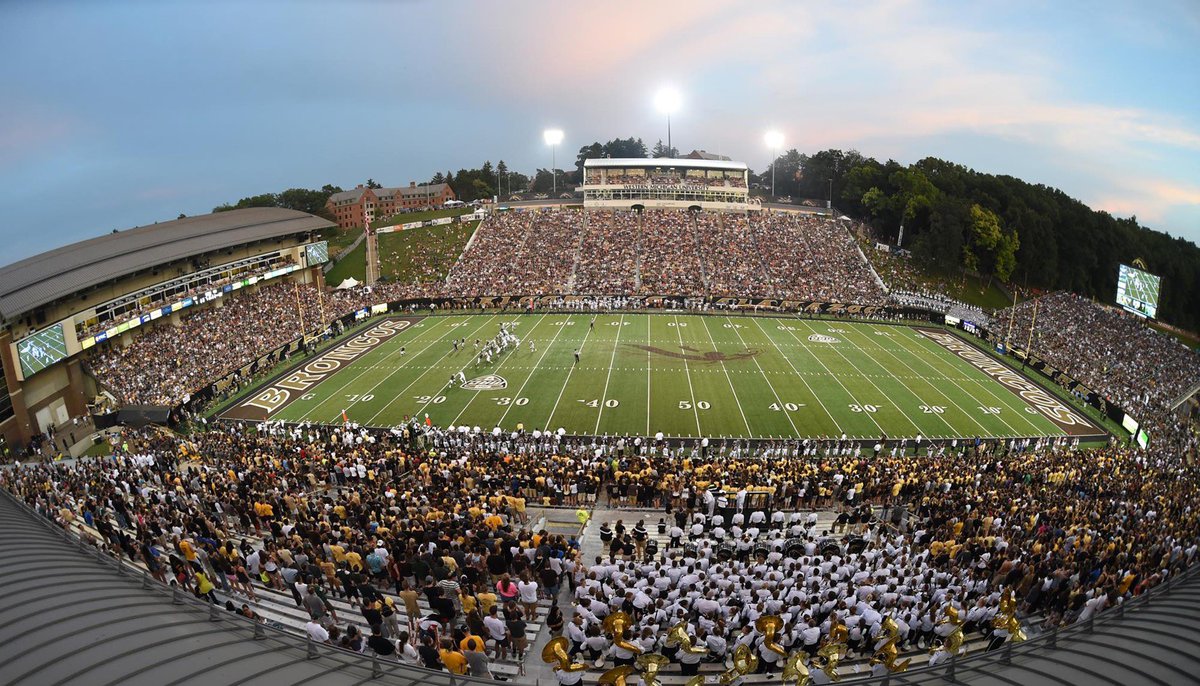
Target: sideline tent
{"x": 348, "y": 283}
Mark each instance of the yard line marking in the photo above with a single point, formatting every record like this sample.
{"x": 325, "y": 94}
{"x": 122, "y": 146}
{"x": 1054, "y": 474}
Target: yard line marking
{"x": 506, "y": 360}
{"x": 895, "y": 377}
{"x": 648, "y": 366}
{"x": 839, "y": 380}
{"x": 533, "y": 370}
{"x": 431, "y": 367}
{"x": 800, "y": 376}
{"x": 726, "y": 370}
{"x": 330, "y": 398}
{"x": 550, "y": 419}
{"x": 611, "y": 361}
{"x": 782, "y": 405}
{"x": 691, "y": 392}
{"x": 932, "y": 385}
{"x": 986, "y": 388}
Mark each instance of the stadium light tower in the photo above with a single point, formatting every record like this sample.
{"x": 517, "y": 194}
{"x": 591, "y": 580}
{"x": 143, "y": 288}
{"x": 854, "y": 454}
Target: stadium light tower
{"x": 553, "y": 137}
{"x": 667, "y": 101}
{"x": 774, "y": 141}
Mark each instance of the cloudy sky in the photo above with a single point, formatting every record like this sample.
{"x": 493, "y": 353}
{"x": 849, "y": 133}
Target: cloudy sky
{"x": 120, "y": 113}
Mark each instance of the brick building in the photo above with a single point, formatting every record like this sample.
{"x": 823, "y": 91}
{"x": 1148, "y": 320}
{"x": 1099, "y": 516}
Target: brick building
{"x": 349, "y": 207}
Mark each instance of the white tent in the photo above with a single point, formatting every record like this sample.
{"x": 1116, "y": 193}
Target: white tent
{"x": 348, "y": 283}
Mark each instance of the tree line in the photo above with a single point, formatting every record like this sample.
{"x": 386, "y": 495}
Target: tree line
{"x": 1030, "y": 235}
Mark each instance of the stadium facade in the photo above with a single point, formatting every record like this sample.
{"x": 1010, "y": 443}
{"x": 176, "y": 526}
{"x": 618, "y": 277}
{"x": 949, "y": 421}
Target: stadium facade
{"x": 56, "y": 305}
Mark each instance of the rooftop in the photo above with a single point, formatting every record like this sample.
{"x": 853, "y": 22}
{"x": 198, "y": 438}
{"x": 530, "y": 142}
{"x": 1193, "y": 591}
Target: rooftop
{"x": 663, "y": 162}
{"x": 42, "y": 279}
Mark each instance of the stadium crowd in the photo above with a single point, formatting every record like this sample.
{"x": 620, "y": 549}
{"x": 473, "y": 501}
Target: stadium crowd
{"x": 1113, "y": 353}
{"x": 417, "y": 512}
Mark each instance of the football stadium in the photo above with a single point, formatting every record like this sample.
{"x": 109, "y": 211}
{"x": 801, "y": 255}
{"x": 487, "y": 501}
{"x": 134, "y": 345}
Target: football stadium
{"x": 644, "y": 417}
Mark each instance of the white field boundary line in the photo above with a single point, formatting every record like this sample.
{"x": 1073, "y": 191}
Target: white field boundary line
{"x": 749, "y": 431}
{"x": 783, "y": 408}
{"x": 316, "y": 409}
{"x": 782, "y": 405}
{"x": 1005, "y": 400}
{"x": 429, "y": 369}
{"x": 611, "y": 361}
{"x": 534, "y": 369}
{"x": 932, "y": 385}
{"x": 888, "y": 372}
{"x": 836, "y": 378}
{"x": 506, "y": 360}
{"x": 688, "y": 373}
{"x": 567, "y": 381}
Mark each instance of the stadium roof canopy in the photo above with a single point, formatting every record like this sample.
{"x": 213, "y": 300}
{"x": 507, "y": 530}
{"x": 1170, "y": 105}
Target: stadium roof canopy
{"x": 44, "y": 278}
{"x": 622, "y": 162}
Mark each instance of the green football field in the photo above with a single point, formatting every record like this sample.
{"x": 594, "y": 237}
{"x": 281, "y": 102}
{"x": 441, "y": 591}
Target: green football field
{"x": 682, "y": 375}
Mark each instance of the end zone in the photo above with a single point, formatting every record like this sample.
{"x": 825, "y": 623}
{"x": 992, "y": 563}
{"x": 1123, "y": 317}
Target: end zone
{"x": 295, "y": 382}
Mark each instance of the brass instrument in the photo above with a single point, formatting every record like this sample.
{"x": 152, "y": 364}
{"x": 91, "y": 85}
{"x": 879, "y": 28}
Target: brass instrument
{"x": 615, "y": 676}
{"x": 832, "y": 649}
{"x": 616, "y": 624}
{"x": 1006, "y": 617}
{"x": 677, "y": 635}
{"x": 651, "y": 664}
{"x": 795, "y": 669}
{"x": 769, "y": 626}
{"x": 744, "y": 662}
{"x": 555, "y": 652}
{"x": 887, "y": 653}
{"x": 953, "y": 641}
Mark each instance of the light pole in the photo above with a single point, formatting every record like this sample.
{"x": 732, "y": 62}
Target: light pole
{"x": 553, "y": 137}
{"x": 667, "y": 100}
{"x": 774, "y": 141}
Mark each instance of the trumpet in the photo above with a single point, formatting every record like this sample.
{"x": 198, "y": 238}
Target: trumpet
{"x": 744, "y": 662}
{"x": 769, "y": 626}
{"x": 615, "y": 676}
{"x": 615, "y": 624}
{"x": 556, "y": 652}
{"x": 677, "y": 635}
{"x": 651, "y": 664}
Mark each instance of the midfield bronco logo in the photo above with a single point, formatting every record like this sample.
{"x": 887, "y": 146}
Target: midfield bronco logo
{"x": 821, "y": 338}
{"x": 697, "y": 356}
{"x": 490, "y": 382}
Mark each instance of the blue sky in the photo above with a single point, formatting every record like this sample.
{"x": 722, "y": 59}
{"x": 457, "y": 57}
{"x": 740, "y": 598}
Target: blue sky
{"x": 117, "y": 114}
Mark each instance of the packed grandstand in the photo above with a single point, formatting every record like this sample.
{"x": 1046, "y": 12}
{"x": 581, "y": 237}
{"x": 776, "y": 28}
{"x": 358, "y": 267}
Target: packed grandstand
{"x": 468, "y": 551}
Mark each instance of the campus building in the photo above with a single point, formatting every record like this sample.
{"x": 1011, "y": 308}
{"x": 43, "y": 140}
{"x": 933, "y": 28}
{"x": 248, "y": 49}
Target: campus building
{"x": 351, "y": 208}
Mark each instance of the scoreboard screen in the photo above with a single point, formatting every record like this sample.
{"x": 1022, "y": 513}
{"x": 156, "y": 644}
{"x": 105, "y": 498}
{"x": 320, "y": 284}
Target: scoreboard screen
{"x": 41, "y": 350}
{"x": 317, "y": 253}
{"x": 1137, "y": 291}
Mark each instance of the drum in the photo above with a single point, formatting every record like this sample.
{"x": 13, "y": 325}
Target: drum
{"x": 831, "y": 548}
{"x": 793, "y": 547}
{"x": 856, "y": 544}
{"x": 726, "y": 552}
